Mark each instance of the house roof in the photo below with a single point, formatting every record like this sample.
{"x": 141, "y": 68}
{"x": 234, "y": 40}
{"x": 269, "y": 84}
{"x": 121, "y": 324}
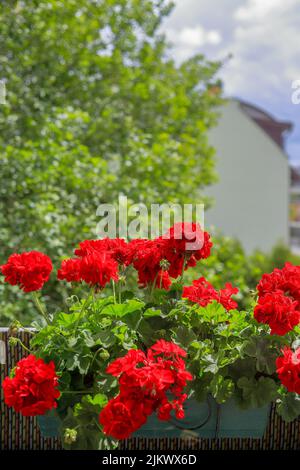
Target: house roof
{"x": 275, "y": 129}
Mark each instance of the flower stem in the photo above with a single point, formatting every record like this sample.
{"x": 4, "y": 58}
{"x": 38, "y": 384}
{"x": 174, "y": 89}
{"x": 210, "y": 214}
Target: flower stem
{"x": 82, "y": 308}
{"x": 114, "y": 290}
{"x": 17, "y": 340}
{"x": 183, "y": 269}
{"x": 40, "y": 307}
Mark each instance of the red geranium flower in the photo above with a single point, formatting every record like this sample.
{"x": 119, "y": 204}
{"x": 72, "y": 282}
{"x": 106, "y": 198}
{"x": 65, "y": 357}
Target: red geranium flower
{"x": 29, "y": 270}
{"x": 70, "y": 270}
{"x": 278, "y": 311}
{"x": 95, "y": 268}
{"x": 147, "y": 257}
{"x": 279, "y": 299}
{"x": 122, "y": 417}
{"x": 225, "y": 296}
{"x": 122, "y": 364}
{"x": 163, "y": 280}
{"x": 203, "y": 293}
{"x": 116, "y": 248}
{"x": 185, "y": 243}
{"x": 288, "y": 369}
{"x": 167, "y": 349}
{"x": 146, "y": 383}
{"x": 33, "y": 389}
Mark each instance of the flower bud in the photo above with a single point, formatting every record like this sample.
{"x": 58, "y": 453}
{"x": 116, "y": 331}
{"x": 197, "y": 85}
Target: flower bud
{"x": 122, "y": 279}
{"x": 13, "y": 341}
{"x": 164, "y": 264}
{"x": 104, "y": 354}
{"x": 70, "y": 436}
{"x": 14, "y": 328}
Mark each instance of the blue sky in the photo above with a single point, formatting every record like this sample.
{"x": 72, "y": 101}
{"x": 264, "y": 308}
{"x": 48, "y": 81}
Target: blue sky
{"x": 263, "y": 37}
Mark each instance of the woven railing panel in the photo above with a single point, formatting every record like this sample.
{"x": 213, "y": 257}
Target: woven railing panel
{"x": 22, "y": 433}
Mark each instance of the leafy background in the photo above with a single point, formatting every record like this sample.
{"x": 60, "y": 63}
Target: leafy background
{"x": 96, "y": 108}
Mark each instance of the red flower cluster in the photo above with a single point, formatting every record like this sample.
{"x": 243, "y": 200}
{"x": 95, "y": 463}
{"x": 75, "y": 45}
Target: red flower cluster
{"x": 147, "y": 258}
{"x": 96, "y": 262}
{"x": 33, "y": 389}
{"x": 279, "y": 299}
{"x": 203, "y": 293}
{"x": 146, "y": 381}
{"x": 186, "y": 243}
{"x": 288, "y": 369}
{"x": 167, "y": 256}
{"x": 29, "y": 270}
{"x": 116, "y": 248}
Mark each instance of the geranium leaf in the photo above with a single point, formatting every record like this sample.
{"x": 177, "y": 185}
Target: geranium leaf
{"x": 289, "y": 407}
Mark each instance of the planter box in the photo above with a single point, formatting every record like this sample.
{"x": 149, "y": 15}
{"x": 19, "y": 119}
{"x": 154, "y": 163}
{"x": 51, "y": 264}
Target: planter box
{"x": 206, "y": 420}
{"x": 49, "y": 425}
{"x": 210, "y": 420}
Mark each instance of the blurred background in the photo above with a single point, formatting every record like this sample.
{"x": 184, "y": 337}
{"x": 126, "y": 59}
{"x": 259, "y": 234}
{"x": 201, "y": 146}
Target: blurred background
{"x": 188, "y": 101}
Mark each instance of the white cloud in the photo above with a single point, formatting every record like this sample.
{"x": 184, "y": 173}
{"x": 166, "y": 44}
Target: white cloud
{"x": 190, "y": 40}
{"x": 197, "y": 37}
{"x": 262, "y": 35}
{"x": 256, "y": 10}
{"x": 265, "y": 47}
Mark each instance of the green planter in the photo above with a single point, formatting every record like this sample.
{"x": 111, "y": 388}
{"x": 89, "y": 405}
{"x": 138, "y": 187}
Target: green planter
{"x": 210, "y": 420}
{"x": 49, "y": 425}
{"x": 206, "y": 420}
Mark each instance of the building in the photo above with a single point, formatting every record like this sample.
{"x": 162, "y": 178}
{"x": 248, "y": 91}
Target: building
{"x": 295, "y": 210}
{"x": 252, "y": 194}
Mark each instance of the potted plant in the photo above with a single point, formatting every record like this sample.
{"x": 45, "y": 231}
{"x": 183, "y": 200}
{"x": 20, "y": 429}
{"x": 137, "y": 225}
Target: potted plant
{"x": 162, "y": 359}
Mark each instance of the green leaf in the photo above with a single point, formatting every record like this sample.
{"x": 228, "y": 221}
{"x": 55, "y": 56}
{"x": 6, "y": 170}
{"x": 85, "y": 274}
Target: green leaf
{"x": 257, "y": 393}
{"x": 119, "y": 310}
{"x": 80, "y": 362}
{"x": 152, "y": 312}
{"x": 262, "y": 349}
{"x": 221, "y": 388}
{"x": 132, "y": 319}
{"x": 242, "y": 368}
{"x": 213, "y": 313}
{"x": 106, "y": 337}
{"x": 184, "y": 336}
{"x": 211, "y": 363}
{"x": 87, "y": 338}
{"x": 90, "y": 407}
{"x": 146, "y": 332}
{"x": 289, "y": 407}
{"x": 66, "y": 319}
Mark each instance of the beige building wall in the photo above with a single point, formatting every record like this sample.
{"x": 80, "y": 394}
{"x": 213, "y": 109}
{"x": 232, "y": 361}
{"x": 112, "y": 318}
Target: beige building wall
{"x": 252, "y": 195}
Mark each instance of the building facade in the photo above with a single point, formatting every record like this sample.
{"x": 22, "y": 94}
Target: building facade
{"x": 251, "y": 198}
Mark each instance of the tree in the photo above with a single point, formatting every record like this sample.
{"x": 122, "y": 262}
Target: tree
{"x": 95, "y": 107}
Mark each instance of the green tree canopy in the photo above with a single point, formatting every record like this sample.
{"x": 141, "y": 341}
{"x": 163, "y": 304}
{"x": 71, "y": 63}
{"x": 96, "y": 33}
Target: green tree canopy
{"x": 95, "y": 107}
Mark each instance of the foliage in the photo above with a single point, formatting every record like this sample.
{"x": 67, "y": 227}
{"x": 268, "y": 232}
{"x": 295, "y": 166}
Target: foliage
{"x": 95, "y": 108}
{"x": 230, "y": 355}
{"x": 229, "y": 262}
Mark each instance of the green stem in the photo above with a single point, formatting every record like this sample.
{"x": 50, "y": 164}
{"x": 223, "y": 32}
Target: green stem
{"x": 183, "y": 268}
{"x": 77, "y": 391}
{"x": 153, "y": 286}
{"x": 17, "y": 340}
{"x": 40, "y": 307}
{"x": 82, "y": 309}
{"x": 114, "y": 290}
{"x": 94, "y": 357}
